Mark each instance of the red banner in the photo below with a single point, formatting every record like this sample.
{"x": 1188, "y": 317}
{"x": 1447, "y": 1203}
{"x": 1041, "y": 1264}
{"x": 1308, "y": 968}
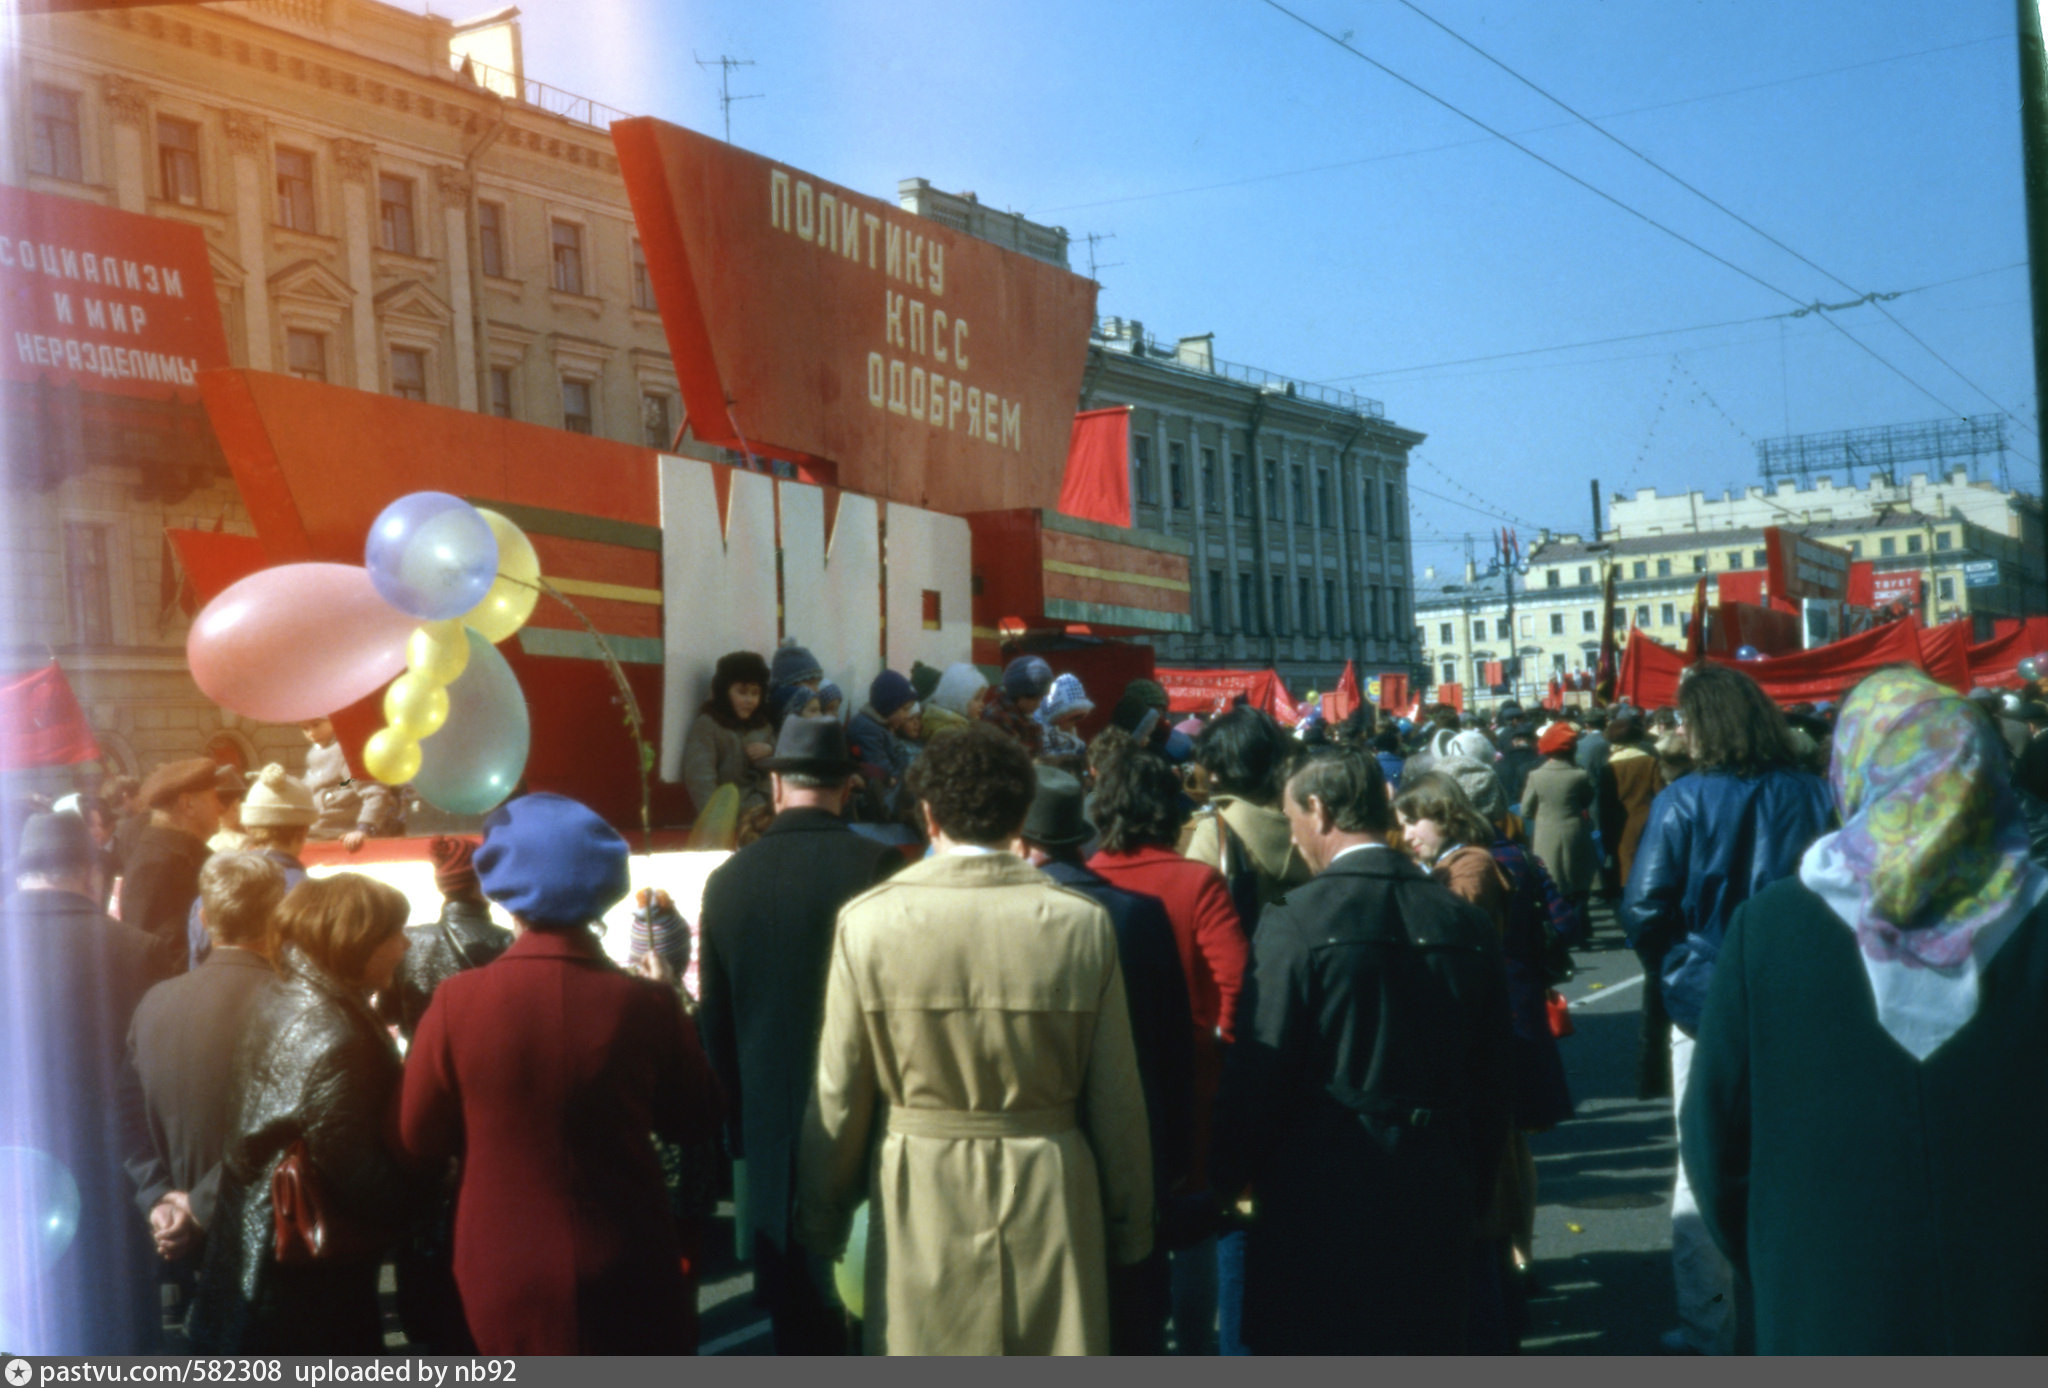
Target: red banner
{"x": 1650, "y": 671}
{"x": 1212, "y": 691}
{"x": 1343, "y": 701}
{"x": 1393, "y": 691}
{"x": 1452, "y": 694}
{"x": 1098, "y": 481}
{"x": 1996, "y": 662}
{"x": 104, "y": 300}
{"x": 41, "y": 723}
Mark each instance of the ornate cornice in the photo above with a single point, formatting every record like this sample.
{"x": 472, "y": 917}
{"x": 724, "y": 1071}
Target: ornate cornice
{"x": 356, "y": 159}
{"x": 246, "y": 131}
{"x": 126, "y": 100}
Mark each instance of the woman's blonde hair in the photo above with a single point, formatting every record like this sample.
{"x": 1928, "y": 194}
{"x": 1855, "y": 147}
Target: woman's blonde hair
{"x": 339, "y": 921}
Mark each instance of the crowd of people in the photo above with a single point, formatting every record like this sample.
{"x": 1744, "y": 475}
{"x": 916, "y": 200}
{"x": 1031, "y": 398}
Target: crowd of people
{"x": 1111, "y": 1035}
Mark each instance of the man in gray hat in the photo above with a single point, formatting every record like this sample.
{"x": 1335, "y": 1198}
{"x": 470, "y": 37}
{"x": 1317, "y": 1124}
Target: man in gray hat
{"x": 160, "y": 880}
{"x": 767, "y": 937}
{"x": 68, "y": 1096}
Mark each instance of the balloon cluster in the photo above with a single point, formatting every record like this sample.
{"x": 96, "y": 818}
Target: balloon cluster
{"x": 442, "y": 582}
{"x": 2032, "y": 667}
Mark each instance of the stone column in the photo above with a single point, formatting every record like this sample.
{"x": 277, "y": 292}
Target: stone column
{"x": 357, "y": 162}
{"x": 127, "y": 104}
{"x": 456, "y": 186}
{"x": 248, "y": 140}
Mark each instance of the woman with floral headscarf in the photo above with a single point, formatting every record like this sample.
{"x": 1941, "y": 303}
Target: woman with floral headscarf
{"x": 1864, "y": 1118}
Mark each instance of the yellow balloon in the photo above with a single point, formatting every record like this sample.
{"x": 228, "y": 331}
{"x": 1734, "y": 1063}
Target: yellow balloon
{"x": 510, "y": 601}
{"x": 414, "y": 707}
{"x": 438, "y": 652}
{"x": 391, "y": 756}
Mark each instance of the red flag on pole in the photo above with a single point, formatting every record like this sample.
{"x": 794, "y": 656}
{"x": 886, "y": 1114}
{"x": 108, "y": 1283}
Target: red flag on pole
{"x": 41, "y": 723}
{"x": 1346, "y": 699}
{"x": 1097, "y": 486}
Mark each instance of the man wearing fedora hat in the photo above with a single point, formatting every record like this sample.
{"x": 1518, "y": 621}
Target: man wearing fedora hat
{"x": 767, "y": 938}
{"x": 67, "y": 1092}
{"x": 160, "y": 880}
{"x": 1055, "y": 833}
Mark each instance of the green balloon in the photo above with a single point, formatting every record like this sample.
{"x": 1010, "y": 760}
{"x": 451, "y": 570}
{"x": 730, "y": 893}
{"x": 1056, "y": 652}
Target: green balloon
{"x": 473, "y": 763}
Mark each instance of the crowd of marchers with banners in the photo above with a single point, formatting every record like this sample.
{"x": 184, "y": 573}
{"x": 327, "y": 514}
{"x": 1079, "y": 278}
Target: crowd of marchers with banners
{"x": 754, "y": 791}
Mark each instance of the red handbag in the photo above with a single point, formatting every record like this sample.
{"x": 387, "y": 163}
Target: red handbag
{"x": 1559, "y": 1011}
{"x": 305, "y": 1227}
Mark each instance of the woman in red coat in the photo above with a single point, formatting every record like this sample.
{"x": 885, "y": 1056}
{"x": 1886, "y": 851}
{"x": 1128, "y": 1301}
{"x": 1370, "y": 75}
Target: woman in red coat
{"x": 546, "y": 1072}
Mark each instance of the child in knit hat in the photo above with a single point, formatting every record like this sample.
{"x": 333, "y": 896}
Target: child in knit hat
{"x": 878, "y": 732}
{"x": 1061, "y": 714}
{"x": 1026, "y": 682}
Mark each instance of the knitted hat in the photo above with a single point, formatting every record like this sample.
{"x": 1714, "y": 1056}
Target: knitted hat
{"x": 658, "y": 926}
{"x": 1067, "y": 697}
{"x": 957, "y": 687}
{"x": 174, "y": 779}
{"x": 794, "y": 665}
{"x": 1558, "y": 737}
{"x": 830, "y": 693}
{"x": 455, "y": 866}
{"x": 550, "y": 860}
{"x": 790, "y": 699}
{"x": 1028, "y": 677}
{"x": 890, "y": 692}
{"x": 1150, "y": 692}
{"x": 924, "y": 679}
{"x": 54, "y": 843}
{"x": 1470, "y": 743}
{"x": 278, "y": 799}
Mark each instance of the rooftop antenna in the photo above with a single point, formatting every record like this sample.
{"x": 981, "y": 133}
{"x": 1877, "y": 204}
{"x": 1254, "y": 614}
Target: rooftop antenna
{"x": 1093, "y": 238}
{"x": 725, "y": 64}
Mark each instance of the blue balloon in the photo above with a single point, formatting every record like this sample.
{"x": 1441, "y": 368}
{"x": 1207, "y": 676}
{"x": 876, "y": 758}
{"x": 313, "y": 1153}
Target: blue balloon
{"x": 38, "y": 1210}
{"x": 431, "y": 555}
{"x": 1749, "y": 653}
{"x": 473, "y": 763}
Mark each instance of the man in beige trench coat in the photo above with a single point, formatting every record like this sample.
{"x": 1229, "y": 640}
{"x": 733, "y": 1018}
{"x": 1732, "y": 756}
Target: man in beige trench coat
{"x": 977, "y": 1082}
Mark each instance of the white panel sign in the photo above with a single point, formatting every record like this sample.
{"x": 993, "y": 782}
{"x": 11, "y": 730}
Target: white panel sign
{"x": 831, "y": 585}
{"x": 929, "y": 552}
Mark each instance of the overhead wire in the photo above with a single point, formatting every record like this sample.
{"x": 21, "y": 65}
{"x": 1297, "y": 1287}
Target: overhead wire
{"x": 1874, "y": 300}
{"x": 1594, "y": 189}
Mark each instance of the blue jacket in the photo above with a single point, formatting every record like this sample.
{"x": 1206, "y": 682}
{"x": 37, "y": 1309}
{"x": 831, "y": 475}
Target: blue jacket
{"x": 1714, "y": 840}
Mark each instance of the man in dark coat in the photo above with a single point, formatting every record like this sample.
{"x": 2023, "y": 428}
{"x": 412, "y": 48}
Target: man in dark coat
{"x": 766, "y": 927}
{"x": 70, "y": 1109}
{"x": 160, "y": 880}
{"x": 1366, "y": 1098}
{"x": 1055, "y": 831}
{"x": 183, "y": 1032}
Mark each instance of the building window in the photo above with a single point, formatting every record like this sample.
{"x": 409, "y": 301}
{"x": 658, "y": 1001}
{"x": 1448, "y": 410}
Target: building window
{"x": 1304, "y": 606}
{"x": 654, "y": 421}
{"x": 1855, "y": 549}
{"x": 1219, "y": 619}
{"x": 1944, "y": 539}
{"x": 567, "y": 240}
{"x": 1557, "y": 624}
{"x": 490, "y": 238}
{"x": 1177, "y": 473}
{"x": 89, "y": 582}
{"x": 54, "y": 144}
{"x": 1240, "y": 486}
{"x": 1273, "y": 511}
{"x": 294, "y": 189}
{"x": 1552, "y": 578}
{"x": 1395, "y": 510}
{"x": 1501, "y": 630}
{"x": 177, "y": 160}
{"x": 1699, "y": 563}
{"x": 1585, "y": 575}
{"x": 1248, "y": 605}
{"x": 1639, "y": 569}
{"x": 1759, "y": 558}
{"x": 643, "y": 286}
{"x": 1279, "y": 605}
{"x": 1913, "y": 544}
{"x": 408, "y": 373}
{"x": 1589, "y": 620}
{"x": 1447, "y": 636}
{"x": 306, "y": 354}
{"x": 1557, "y": 663}
{"x": 1212, "y": 494}
{"x": 1142, "y": 469}
{"x": 576, "y": 416}
{"x": 1663, "y": 568}
{"x": 1298, "y": 486}
{"x": 1479, "y": 629}
{"x": 1734, "y": 558}
{"x": 1643, "y": 615}
{"x": 394, "y": 215}
{"x": 1946, "y": 587}
{"x": 1887, "y": 546}
{"x": 1450, "y": 672}
{"x": 1667, "y": 614}
{"x": 1324, "y": 514}
{"x": 501, "y": 391}
{"x": 1372, "y": 507}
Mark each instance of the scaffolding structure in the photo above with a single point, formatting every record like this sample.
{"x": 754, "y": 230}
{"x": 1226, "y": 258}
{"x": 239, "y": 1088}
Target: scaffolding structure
{"x": 1886, "y": 449}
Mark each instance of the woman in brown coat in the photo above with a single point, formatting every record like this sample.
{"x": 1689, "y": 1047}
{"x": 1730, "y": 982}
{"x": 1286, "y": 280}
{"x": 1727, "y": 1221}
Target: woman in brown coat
{"x": 1555, "y": 799}
{"x": 1635, "y": 781}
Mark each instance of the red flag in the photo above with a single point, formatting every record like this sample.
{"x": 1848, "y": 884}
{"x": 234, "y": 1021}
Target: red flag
{"x": 1346, "y": 699}
{"x": 1098, "y": 481}
{"x": 1393, "y": 691}
{"x": 41, "y": 723}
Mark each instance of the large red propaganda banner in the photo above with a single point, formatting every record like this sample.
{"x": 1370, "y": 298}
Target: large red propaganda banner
{"x": 104, "y": 300}
{"x": 890, "y": 353}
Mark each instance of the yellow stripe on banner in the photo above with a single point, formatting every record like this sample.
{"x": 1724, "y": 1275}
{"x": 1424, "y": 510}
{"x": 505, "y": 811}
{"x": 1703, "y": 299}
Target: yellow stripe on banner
{"x": 1060, "y": 566}
{"x": 617, "y": 592}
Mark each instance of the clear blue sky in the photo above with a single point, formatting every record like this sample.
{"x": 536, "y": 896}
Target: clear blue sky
{"x": 1325, "y": 221}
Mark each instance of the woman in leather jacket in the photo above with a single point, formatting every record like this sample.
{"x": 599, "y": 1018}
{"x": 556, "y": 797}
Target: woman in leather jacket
{"x": 315, "y": 1067}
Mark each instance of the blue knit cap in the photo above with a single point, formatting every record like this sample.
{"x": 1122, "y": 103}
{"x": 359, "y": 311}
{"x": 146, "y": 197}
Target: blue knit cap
{"x": 1028, "y": 677}
{"x": 548, "y": 859}
{"x": 889, "y": 692}
{"x": 793, "y": 664}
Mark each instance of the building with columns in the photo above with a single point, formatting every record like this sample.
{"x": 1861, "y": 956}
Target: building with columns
{"x": 388, "y": 203}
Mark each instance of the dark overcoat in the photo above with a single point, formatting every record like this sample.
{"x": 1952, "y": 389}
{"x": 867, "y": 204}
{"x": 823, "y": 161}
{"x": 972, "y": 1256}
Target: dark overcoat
{"x": 159, "y": 883}
{"x": 185, "y": 1031}
{"x": 1366, "y": 1101}
{"x": 766, "y": 928}
{"x": 546, "y": 1071}
{"x": 313, "y": 1065}
{"x": 1880, "y": 1205}
{"x": 465, "y": 937}
{"x": 72, "y": 980}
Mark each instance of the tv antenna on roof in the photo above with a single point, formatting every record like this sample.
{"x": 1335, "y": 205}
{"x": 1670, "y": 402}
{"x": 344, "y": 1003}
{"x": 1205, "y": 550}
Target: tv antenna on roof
{"x": 1093, "y": 238}
{"x": 725, "y": 64}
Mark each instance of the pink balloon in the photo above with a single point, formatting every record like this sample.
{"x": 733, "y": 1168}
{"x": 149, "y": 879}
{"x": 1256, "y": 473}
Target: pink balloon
{"x": 297, "y": 641}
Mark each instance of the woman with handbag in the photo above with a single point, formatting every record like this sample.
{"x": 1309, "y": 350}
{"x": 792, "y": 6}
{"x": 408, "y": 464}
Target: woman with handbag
{"x": 310, "y": 1196}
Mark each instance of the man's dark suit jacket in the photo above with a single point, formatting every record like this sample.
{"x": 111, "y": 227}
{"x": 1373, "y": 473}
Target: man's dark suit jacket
{"x": 766, "y": 929}
{"x": 182, "y": 1038}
